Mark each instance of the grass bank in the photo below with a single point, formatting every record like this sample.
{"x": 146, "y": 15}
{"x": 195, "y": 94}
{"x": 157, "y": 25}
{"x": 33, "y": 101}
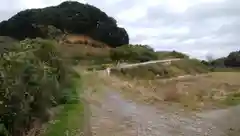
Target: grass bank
{"x": 39, "y": 80}
{"x": 161, "y": 70}
{"x": 69, "y": 121}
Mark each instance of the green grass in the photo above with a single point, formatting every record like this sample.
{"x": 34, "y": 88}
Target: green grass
{"x": 190, "y": 66}
{"x": 233, "y": 99}
{"x": 69, "y": 122}
{"x": 170, "y": 54}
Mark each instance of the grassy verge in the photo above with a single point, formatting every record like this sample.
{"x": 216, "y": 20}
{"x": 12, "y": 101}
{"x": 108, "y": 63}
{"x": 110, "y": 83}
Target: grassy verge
{"x": 69, "y": 122}
{"x": 233, "y": 99}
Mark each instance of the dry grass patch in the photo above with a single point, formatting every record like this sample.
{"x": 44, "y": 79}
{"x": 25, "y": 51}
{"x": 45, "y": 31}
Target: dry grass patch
{"x": 159, "y": 70}
{"x": 200, "y": 91}
{"x": 206, "y": 91}
{"x": 192, "y": 92}
{"x": 83, "y": 49}
{"x": 76, "y": 38}
{"x": 85, "y": 54}
{"x": 93, "y": 87}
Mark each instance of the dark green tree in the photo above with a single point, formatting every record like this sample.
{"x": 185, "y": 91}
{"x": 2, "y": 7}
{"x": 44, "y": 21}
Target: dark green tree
{"x": 233, "y": 59}
{"x": 71, "y": 17}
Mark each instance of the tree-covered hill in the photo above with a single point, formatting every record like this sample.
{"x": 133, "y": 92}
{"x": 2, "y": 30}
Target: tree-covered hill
{"x": 69, "y": 17}
{"x": 230, "y": 61}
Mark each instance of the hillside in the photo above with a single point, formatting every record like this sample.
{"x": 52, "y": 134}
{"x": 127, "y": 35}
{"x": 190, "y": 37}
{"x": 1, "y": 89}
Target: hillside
{"x": 163, "y": 70}
{"x": 69, "y": 17}
{"x": 34, "y": 80}
{"x": 139, "y": 106}
{"x": 57, "y": 84}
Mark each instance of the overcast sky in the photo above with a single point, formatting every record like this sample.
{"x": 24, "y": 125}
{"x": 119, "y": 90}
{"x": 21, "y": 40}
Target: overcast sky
{"x": 195, "y": 27}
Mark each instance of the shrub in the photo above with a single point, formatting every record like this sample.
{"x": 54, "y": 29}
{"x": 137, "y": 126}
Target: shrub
{"x": 33, "y": 79}
{"x": 178, "y": 55}
{"x": 133, "y": 53}
{"x": 171, "y": 54}
{"x": 231, "y": 61}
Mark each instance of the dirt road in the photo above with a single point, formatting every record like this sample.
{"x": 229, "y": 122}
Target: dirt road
{"x": 119, "y": 117}
{"x": 148, "y": 62}
{"x": 112, "y": 115}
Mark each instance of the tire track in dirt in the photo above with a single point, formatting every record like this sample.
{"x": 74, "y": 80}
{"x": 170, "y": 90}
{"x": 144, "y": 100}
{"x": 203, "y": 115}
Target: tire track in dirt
{"x": 119, "y": 117}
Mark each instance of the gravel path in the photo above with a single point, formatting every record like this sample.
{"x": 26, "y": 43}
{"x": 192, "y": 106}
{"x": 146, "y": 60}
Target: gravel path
{"x": 119, "y": 117}
{"x": 148, "y": 62}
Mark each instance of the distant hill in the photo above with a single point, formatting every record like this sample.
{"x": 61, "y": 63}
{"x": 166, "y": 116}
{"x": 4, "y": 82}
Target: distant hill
{"x": 230, "y": 61}
{"x": 69, "y": 17}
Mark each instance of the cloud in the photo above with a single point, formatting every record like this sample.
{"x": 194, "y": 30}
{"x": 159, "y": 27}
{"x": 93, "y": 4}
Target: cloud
{"x": 200, "y": 28}
{"x": 196, "y": 27}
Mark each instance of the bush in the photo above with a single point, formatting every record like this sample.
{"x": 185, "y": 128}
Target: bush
{"x": 172, "y": 54}
{"x": 231, "y": 61}
{"x": 133, "y": 53}
{"x": 33, "y": 79}
{"x": 179, "y": 55}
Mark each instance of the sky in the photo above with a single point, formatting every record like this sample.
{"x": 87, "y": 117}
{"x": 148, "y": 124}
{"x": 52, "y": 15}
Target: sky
{"x": 199, "y": 28}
